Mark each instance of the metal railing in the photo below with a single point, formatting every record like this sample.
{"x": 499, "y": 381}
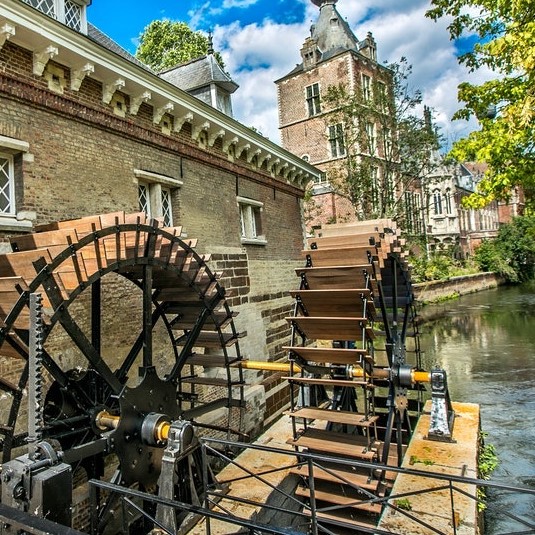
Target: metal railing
{"x": 268, "y": 516}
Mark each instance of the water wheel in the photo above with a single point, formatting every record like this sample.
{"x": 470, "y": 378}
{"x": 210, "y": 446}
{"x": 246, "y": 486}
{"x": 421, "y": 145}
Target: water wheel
{"x": 134, "y": 322}
{"x": 354, "y": 349}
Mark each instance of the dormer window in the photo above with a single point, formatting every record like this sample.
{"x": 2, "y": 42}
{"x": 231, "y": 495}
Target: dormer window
{"x": 70, "y": 12}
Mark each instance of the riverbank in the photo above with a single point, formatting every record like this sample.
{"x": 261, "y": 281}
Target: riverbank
{"x": 436, "y": 291}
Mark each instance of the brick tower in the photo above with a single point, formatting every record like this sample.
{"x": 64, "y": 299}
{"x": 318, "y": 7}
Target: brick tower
{"x": 331, "y": 55}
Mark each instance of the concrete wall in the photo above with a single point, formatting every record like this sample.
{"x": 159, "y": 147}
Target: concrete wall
{"x": 435, "y": 290}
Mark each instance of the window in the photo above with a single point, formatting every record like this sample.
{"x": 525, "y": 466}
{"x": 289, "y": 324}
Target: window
{"x": 371, "y": 137}
{"x": 155, "y": 195}
{"x": 155, "y": 201}
{"x": 382, "y": 96}
{"x": 388, "y": 143}
{"x": 336, "y": 141}
{"x": 366, "y": 88}
{"x": 374, "y": 183}
{"x": 7, "y": 186}
{"x": 73, "y": 15}
{"x": 447, "y": 199}
{"x": 313, "y": 99}
{"x": 437, "y": 202}
{"x": 321, "y": 179}
{"x": 70, "y": 12}
{"x": 13, "y": 154}
{"x": 251, "y": 221}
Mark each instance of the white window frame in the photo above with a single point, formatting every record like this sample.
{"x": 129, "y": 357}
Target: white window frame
{"x": 59, "y": 12}
{"x": 437, "y": 202}
{"x": 7, "y": 170}
{"x": 336, "y": 140}
{"x": 13, "y": 219}
{"x": 371, "y": 136}
{"x": 158, "y": 194}
{"x": 366, "y": 87}
{"x": 313, "y": 99}
{"x": 251, "y": 217}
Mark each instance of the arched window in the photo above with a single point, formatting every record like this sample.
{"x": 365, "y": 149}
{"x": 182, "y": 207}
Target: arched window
{"x": 437, "y": 202}
{"x": 447, "y": 198}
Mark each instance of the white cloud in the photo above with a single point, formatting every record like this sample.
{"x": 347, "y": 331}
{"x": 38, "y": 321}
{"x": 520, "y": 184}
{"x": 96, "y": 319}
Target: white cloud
{"x": 227, "y": 4}
{"x": 257, "y": 54}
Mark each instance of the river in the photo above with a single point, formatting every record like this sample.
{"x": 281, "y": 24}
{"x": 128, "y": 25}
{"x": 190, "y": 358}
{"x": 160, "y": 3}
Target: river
{"x": 486, "y": 344}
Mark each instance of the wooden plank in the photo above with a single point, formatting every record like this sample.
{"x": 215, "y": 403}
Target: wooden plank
{"x": 336, "y": 520}
{"x": 333, "y": 443}
{"x": 370, "y": 239}
{"x": 333, "y": 328}
{"x": 327, "y": 382}
{"x": 334, "y": 416}
{"x": 342, "y": 257}
{"x": 341, "y": 277}
{"x": 371, "y": 225}
{"x": 212, "y": 339}
{"x": 41, "y": 240}
{"x": 329, "y": 355}
{"x": 218, "y": 320}
{"x": 21, "y": 264}
{"x": 333, "y": 302}
{"x": 340, "y": 476}
{"x": 339, "y": 499}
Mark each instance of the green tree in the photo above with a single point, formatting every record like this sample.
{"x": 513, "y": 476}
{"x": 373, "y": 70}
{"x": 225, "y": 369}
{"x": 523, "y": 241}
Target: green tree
{"x": 164, "y": 44}
{"x": 512, "y": 253}
{"x": 388, "y": 148}
{"x": 505, "y": 105}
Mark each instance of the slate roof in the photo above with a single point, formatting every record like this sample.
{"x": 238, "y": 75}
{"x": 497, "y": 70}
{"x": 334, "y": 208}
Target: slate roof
{"x": 331, "y": 39}
{"x": 198, "y": 73}
{"x": 102, "y": 39}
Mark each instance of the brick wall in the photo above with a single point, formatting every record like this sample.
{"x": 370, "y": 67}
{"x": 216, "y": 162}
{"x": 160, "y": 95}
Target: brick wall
{"x": 81, "y": 161}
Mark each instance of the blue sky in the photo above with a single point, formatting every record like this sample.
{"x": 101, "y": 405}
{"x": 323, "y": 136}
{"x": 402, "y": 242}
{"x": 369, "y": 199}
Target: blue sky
{"x": 260, "y": 42}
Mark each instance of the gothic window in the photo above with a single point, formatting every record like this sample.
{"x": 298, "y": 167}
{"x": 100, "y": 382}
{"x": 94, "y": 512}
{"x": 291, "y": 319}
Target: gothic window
{"x": 447, "y": 199}
{"x": 336, "y": 140}
{"x": 437, "y": 202}
{"x": 313, "y": 99}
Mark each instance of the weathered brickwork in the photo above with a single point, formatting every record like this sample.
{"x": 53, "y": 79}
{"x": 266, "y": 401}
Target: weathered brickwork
{"x": 308, "y": 136}
{"x": 82, "y": 159}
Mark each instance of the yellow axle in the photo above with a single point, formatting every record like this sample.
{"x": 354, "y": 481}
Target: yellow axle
{"x": 377, "y": 373}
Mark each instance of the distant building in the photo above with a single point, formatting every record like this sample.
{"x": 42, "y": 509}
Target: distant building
{"x": 333, "y": 55}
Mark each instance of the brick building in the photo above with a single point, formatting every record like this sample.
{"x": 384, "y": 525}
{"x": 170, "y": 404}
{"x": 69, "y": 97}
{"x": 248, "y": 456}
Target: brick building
{"x": 85, "y": 128}
{"x": 331, "y": 56}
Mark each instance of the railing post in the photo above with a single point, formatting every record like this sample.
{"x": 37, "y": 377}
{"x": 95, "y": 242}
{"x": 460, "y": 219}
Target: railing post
{"x": 312, "y": 488}
{"x": 453, "y": 518}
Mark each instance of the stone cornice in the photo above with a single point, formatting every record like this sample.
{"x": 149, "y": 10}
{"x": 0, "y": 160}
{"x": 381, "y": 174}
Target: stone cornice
{"x": 35, "y": 32}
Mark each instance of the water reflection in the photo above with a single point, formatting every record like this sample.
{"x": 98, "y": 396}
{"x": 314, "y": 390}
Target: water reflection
{"x": 486, "y": 344}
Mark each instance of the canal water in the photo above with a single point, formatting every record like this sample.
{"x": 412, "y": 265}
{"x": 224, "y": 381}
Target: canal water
{"x": 486, "y": 344}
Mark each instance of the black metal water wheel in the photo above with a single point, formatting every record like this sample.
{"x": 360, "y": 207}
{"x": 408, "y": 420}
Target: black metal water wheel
{"x": 353, "y": 351}
{"x": 401, "y": 344}
{"x": 135, "y": 322}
